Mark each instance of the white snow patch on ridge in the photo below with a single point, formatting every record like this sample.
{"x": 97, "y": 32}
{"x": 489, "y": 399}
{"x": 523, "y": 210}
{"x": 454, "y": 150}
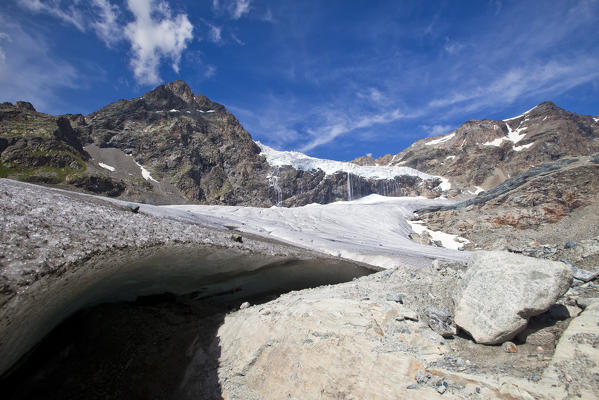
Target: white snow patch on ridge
{"x": 596, "y": 120}
{"x": 106, "y": 166}
{"x": 513, "y": 136}
{"x": 447, "y": 240}
{"x": 523, "y": 147}
{"x": 303, "y": 162}
{"x": 521, "y": 115}
{"x": 441, "y": 139}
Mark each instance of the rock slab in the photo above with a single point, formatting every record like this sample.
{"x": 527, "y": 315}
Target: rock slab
{"x": 502, "y": 290}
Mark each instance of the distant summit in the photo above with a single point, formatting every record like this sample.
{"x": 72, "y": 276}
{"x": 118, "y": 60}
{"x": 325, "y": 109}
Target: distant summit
{"x": 482, "y": 154}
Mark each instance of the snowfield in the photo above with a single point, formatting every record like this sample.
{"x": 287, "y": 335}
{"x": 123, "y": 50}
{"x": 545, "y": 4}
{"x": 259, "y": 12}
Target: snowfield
{"x": 300, "y": 161}
{"x": 373, "y": 229}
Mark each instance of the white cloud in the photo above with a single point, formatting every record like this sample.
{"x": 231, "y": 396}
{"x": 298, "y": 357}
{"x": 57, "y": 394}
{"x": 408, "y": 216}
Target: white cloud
{"x": 436, "y": 130}
{"x": 107, "y": 26}
{"x": 155, "y": 34}
{"x": 69, "y": 14}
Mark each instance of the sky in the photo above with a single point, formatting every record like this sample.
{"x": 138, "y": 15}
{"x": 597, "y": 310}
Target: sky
{"x": 334, "y": 79}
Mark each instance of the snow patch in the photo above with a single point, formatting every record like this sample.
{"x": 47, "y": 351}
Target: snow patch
{"x": 521, "y": 115}
{"x": 303, "y": 162}
{"x": 145, "y": 173}
{"x": 477, "y": 190}
{"x": 173, "y": 111}
{"x": 447, "y": 240}
{"x": 544, "y": 118}
{"x": 449, "y": 157}
{"x": 440, "y": 140}
{"x": 523, "y": 147}
{"x": 497, "y": 142}
{"x": 596, "y": 120}
{"x": 208, "y": 111}
{"x": 106, "y": 166}
{"x": 513, "y": 136}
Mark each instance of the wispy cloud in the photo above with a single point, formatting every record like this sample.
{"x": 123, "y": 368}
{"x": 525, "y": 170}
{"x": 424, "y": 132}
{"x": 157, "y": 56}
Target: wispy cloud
{"x": 239, "y": 8}
{"x": 234, "y": 8}
{"x": 67, "y": 13}
{"x": 436, "y": 130}
{"x": 106, "y": 24}
{"x": 214, "y": 33}
{"x": 35, "y": 74}
{"x": 328, "y": 133}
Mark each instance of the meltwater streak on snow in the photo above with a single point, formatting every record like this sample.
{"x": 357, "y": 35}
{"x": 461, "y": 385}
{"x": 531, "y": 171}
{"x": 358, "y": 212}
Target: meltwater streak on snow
{"x": 440, "y": 140}
{"x": 306, "y": 163}
{"x": 372, "y": 229}
{"x": 106, "y": 166}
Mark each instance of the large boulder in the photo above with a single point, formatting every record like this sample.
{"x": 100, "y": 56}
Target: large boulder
{"x": 502, "y": 290}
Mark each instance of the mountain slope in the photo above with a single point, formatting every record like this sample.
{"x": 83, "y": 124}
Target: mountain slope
{"x": 482, "y": 154}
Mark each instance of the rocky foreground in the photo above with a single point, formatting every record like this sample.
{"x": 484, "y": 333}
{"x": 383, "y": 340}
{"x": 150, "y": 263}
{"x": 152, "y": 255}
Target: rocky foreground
{"x": 399, "y": 333}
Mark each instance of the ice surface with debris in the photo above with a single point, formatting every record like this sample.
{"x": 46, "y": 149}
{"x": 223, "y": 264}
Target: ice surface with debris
{"x": 300, "y": 161}
{"x": 373, "y": 229}
{"x": 441, "y": 139}
{"x": 106, "y": 166}
{"x": 447, "y": 240}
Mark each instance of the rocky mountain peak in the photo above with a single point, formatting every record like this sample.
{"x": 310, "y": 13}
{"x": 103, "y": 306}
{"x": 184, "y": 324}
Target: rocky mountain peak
{"x": 181, "y": 90}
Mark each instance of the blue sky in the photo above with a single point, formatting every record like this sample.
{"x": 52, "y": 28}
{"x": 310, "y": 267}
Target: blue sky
{"x": 332, "y": 78}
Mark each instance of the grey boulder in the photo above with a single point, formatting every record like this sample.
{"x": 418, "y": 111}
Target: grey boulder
{"x": 501, "y": 291}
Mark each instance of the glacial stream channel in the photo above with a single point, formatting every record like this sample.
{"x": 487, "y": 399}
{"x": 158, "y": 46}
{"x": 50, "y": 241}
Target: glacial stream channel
{"x": 143, "y": 324}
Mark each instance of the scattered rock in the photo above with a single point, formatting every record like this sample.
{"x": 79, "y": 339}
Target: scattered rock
{"x": 509, "y": 347}
{"x": 501, "y": 290}
{"x": 542, "y": 337}
{"x": 442, "y": 387}
{"x": 570, "y": 245}
{"x": 236, "y": 238}
{"x": 440, "y": 321}
{"x": 583, "y": 274}
{"x": 244, "y": 305}
{"x": 398, "y": 298}
{"x": 133, "y": 207}
{"x": 423, "y": 377}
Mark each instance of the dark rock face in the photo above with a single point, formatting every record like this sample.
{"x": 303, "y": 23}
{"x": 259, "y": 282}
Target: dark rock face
{"x": 37, "y": 147}
{"x": 187, "y": 141}
{"x": 298, "y": 188}
{"x": 479, "y": 153}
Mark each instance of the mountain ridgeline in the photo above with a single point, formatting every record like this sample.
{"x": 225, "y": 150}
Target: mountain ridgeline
{"x": 173, "y": 146}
